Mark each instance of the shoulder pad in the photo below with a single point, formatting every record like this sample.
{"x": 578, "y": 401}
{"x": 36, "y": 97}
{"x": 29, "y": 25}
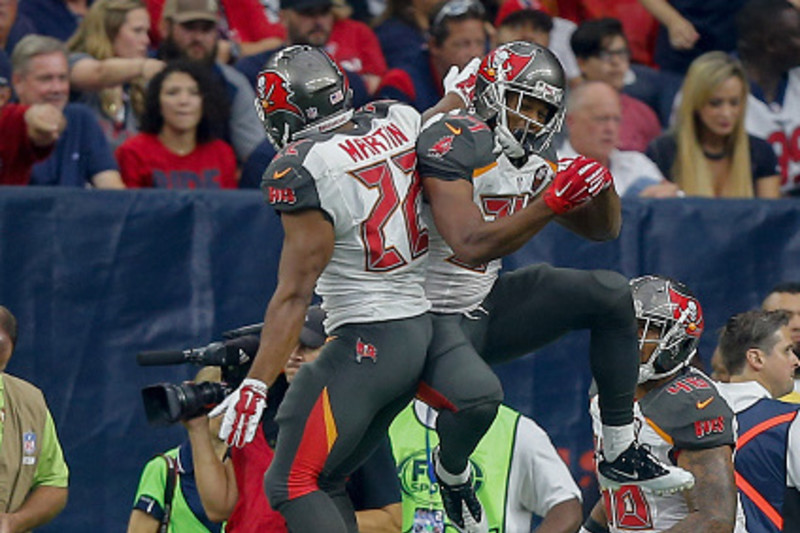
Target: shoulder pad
{"x": 453, "y": 146}
{"x": 287, "y": 185}
{"x": 690, "y": 411}
{"x": 378, "y": 108}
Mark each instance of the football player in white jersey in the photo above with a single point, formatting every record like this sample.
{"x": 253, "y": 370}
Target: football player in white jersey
{"x": 485, "y": 203}
{"x": 345, "y": 185}
{"x": 769, "y": 47}
{"x": 680, "y": 416}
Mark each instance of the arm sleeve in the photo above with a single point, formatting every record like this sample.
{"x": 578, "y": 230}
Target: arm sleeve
{"x": 793, "y": 455}
{"x": 538, "y": 475}
{"x": 51, "y": 470}
{"x": 249, "y": 20}
{"x": 227, "y": 166}
{"x": 662, "y": 152}
{"x": 246, "y": 129}
{"x": 134, "y": 171}
{"x": 256, "y": 164}
{"x": 762, "y": 159}
{"x": 372, "y": 58}
{"x": 101, "y": 158}
{"x": 150, "y": 494}
{"x": 454, "y": 146}
{"x": 791, "y": 509}
{"x": 375, "y": 484}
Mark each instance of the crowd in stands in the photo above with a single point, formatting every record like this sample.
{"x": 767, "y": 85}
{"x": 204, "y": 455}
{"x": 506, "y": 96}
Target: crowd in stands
{"x": 708, "y": 96}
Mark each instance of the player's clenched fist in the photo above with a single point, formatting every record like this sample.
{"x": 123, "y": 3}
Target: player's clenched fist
{"x": 577, "y": 181}
{"x": 242, "y": 408}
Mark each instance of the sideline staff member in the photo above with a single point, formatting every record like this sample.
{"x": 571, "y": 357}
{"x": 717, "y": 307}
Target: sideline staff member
{"x": 33, "y": 474}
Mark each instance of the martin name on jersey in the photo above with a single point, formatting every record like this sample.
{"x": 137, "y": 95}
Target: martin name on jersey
{"x": 364, "y": 182}
{"x": 458, "y": 146}
{"x": 685, "y": 413}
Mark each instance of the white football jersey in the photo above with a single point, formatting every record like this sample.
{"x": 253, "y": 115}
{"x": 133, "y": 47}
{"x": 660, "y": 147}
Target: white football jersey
{"x": 779, "y": 124}
{"x": 364, "y": 181}
{"x": 458, "y": 146}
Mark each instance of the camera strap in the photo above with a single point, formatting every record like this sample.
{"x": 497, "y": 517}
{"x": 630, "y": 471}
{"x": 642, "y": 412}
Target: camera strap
{"x": 169, "y": 491}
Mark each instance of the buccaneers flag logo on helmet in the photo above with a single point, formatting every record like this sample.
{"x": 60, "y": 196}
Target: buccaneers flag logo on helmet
{"x": 274, "y": 95}
{"x": 505, "y": 65}
{"x": 686, "y": 310}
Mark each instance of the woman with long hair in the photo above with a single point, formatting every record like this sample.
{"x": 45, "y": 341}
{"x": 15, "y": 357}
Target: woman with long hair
{"x": 109, "y": 64}
{"x": 179, "y": 145}
{"x": 709, "y": 153}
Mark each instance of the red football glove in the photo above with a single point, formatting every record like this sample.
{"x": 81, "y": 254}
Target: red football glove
{"x": 577, "y": 181}
{"x": 462, "y": 82}
{"x": 242, "y": 408}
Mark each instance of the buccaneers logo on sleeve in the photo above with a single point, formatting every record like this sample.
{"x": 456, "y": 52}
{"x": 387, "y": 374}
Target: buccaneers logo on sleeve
{"x": 273, "y": 95}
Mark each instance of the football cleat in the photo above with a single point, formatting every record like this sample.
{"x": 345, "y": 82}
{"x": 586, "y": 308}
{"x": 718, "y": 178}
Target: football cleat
{"x": 461, "y": 504}
{"x": 637, "y": 466}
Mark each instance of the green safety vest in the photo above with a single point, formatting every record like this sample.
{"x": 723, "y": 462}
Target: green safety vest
{"x": 491, "y": 464}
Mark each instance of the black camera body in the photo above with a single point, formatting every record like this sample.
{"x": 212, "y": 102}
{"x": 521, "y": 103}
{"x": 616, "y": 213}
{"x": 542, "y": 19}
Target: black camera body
{"x": 168, "y": 403}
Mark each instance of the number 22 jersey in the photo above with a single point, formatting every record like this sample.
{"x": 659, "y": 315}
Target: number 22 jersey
{"x": 364, "y": 180}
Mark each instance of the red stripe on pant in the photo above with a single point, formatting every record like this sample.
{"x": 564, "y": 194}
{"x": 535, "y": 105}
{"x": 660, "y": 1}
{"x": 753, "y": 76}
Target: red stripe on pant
{"x": 319, "y": 435}
{"x": 434, "y": 398}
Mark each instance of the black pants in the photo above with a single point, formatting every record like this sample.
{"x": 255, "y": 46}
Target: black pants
{"x": 531, "y": 307}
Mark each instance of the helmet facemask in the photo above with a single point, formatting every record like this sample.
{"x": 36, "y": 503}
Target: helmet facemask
{"x": 528, "y": 71}
{"x": 534, "y": 134}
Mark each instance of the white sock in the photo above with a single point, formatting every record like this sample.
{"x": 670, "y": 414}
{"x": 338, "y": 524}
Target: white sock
{"x": 451, "y": 479}
{"x": 616, "y": 440}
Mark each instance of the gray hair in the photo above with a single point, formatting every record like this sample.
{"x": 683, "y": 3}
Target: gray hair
{"x": 31, "y": 46}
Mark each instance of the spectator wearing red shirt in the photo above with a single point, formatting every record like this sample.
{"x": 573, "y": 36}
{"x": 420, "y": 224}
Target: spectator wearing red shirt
{"x": 28, "y": 135}
{"x": 602, "y": 51}
{"x": 178, "y": 147}
{"x": 244, "y": 24}
{"x": 350, "y": 43}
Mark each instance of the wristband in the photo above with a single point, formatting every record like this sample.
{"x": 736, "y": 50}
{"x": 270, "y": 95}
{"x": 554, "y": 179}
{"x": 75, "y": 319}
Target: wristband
{"x": 593, "y": 526}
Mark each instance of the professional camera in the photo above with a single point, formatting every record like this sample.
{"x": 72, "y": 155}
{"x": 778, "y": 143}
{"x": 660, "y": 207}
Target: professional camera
{"x": 167, "y": 403}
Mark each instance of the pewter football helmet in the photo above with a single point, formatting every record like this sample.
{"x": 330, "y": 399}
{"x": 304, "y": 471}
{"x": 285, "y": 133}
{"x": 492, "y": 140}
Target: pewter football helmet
{"x": 299, "y": 91}
{"x": 530, "y": 70}
{"x": 669, "y": 308}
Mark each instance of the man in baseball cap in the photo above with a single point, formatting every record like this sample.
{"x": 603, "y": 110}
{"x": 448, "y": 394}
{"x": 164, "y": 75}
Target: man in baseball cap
{"x": 181, "y": 11}
{"x": 190, "y": 31}
{"x": 312, "y": 338}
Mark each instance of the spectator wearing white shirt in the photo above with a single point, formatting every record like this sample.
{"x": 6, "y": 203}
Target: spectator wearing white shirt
{"x": 593, "y": 120}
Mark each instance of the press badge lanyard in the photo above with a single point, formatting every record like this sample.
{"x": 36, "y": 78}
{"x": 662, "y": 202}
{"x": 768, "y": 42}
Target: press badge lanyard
{"x": 429, "y": 454}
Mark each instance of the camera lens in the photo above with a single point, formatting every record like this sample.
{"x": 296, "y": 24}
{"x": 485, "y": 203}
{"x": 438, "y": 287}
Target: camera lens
{"x": 167, "y": 403}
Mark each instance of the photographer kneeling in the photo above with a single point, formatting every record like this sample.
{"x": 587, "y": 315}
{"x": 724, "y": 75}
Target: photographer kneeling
{"x": 231, "y": 485}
